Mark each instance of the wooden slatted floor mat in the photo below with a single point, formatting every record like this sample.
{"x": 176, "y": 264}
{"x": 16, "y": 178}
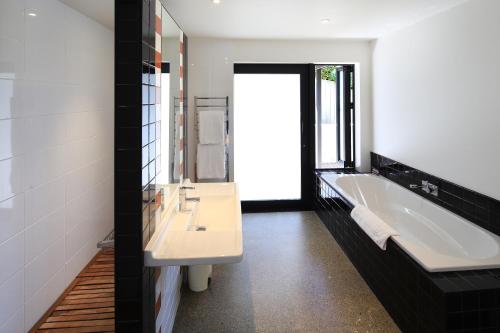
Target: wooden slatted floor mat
{"x": 88, "y": 304}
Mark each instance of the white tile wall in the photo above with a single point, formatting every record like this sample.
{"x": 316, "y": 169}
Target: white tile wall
{"x": 11, "y": 296}
{"x": 12, "y": 177}
{"x": 43, "y": 233}
{"x": 15, "y": 324}
{"x": 39, "y": 302}
{"x": 11, "y": 256}
{"x": 56, "y": 152}
{"x": 169, "y": 285}
{"x": 11, "y": 217}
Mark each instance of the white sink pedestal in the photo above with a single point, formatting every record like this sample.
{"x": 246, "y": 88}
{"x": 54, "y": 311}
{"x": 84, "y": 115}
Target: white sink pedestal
{"x": 198, "y": 276}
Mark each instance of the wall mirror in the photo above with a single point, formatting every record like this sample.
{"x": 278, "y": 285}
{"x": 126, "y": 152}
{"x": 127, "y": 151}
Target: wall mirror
{"x": 172, "y": 100}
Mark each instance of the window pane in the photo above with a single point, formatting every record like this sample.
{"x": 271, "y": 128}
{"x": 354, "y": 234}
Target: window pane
{"x": 326, "y": 118}
{"x": 341, "y": 115}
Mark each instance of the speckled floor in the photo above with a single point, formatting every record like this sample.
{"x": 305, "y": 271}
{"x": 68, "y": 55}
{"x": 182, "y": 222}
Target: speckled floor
{"x": 293, "y": 278}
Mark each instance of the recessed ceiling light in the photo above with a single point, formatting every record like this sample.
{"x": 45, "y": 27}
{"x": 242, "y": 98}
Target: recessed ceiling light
{"x": 216, "y": 1}
{"x": 325, "y": 21}
{"x": 31, "y": 14}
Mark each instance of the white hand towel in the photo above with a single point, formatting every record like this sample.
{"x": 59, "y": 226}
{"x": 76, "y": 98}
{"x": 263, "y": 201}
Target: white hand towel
{"x": 373, "y": 226}
{"x": 211, "y": 162}
{"x": 211, "y": 127}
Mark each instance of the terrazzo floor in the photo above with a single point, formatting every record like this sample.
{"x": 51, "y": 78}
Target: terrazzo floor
{"x": 294, "y": 278}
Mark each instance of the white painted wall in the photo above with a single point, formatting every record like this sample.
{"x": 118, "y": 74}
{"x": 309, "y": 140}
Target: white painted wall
{"x": 436, "y": 96}
{"x": 56, "y": 152}
{"x": 211, "y": 74}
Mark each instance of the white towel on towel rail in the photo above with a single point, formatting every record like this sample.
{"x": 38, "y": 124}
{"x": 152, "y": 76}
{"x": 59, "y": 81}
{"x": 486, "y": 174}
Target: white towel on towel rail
{"x": 373, "y": 226}
{"x": 211, "y": 161}
{"x": 211, "y": 127}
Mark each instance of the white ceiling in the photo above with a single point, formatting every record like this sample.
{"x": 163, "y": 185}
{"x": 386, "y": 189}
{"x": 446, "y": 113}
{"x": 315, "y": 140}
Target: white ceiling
{"x": 284, "y": 19}
{"x": 103, "y": 11}
{"x": 300, "y": 19}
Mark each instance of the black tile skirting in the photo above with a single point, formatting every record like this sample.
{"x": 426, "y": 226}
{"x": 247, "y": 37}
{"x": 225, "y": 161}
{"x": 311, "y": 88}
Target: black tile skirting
{"x": 475, "y": 207}
{"x": 417, "y": 300}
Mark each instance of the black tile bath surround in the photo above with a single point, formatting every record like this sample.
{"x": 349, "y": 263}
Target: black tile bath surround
{"x": 418, "y": 301}
{"x": 475, "y": 207}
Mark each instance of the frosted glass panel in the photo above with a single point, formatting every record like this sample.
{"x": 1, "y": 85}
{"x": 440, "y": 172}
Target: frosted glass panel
{"x": 267, "y": 136}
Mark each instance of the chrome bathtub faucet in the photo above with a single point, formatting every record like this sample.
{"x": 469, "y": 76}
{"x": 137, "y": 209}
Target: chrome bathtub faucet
{"x": 427, "y": 187}
{"x": 183, "y": 200}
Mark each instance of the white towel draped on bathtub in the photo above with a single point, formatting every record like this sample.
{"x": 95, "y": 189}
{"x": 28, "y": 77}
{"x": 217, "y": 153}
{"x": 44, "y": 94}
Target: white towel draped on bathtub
{"x": 373, "y": 226}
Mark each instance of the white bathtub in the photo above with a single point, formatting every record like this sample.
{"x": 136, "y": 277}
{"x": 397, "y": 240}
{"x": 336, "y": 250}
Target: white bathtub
{"x": 436, "y": 238}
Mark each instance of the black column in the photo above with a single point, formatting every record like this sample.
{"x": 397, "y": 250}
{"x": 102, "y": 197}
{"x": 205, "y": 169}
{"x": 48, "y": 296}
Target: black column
{"x": 134, "y": 66}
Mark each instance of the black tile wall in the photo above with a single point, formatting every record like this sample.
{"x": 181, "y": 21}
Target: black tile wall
{"x": 417, "y": 300}
{"x": 475, "y": 207}
{"x": 136, "y": 161}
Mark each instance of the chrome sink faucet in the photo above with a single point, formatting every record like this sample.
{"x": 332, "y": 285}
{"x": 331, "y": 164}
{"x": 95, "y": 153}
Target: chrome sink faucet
{"x": 183, "y": 200}
{"x": 427, "y": 187}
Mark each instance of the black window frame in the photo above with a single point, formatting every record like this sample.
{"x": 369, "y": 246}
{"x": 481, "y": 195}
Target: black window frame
{"x": 349, "y": 114}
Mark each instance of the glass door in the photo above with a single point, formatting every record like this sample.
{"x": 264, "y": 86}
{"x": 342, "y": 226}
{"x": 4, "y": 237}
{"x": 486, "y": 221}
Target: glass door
{"x": 269, "y": 134}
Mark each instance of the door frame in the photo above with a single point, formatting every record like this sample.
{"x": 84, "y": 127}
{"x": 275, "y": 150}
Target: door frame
{"x": 307, "y": 73}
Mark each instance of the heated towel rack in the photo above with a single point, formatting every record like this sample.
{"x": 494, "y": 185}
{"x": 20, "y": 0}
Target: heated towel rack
{"x": 206, "y": 104}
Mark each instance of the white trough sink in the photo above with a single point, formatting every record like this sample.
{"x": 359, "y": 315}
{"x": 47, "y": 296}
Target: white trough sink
{"x": 211, "y": 233}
